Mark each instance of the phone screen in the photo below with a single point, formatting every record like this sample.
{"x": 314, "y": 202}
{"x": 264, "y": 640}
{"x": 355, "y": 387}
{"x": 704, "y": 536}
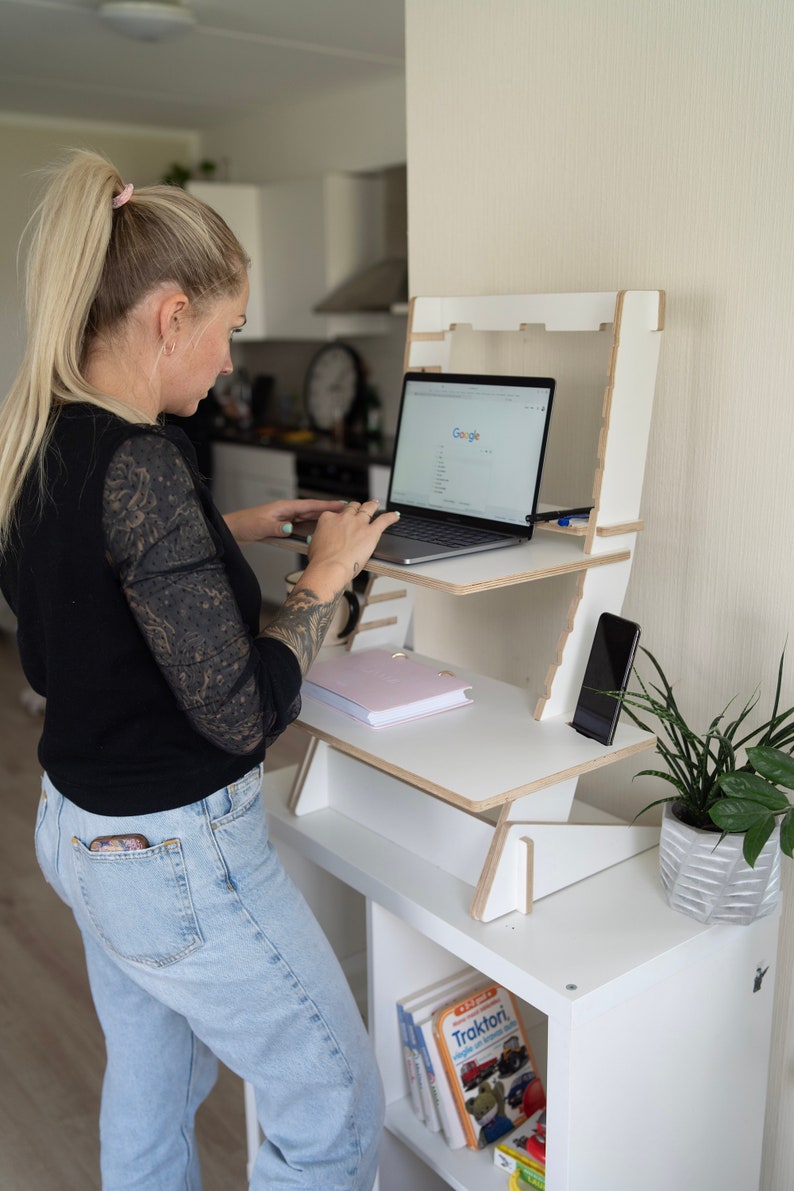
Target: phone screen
{"x": 608, "y": 669}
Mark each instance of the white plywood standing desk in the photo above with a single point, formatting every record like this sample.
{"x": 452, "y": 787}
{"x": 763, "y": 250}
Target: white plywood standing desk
{"x": 650, "y": 1030}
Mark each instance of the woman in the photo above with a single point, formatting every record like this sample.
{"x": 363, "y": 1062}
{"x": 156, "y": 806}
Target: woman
{"x": 138, "y": 619}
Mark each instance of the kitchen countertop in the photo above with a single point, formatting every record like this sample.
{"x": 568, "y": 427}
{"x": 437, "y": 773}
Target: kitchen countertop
{"x": 321, "y": 448}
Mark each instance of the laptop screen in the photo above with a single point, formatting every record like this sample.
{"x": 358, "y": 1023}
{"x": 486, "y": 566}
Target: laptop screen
{"x": 471, "y": 446}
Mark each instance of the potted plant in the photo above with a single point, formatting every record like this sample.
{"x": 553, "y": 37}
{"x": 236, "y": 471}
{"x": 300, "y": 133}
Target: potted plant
{"x": 727, "y": 820}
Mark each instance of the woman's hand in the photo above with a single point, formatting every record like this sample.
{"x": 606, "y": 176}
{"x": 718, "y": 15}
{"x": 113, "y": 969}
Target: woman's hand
{"x": 346, "y": 539}
{"x": 340, "y": 547}
{"x": 277, "y": 519}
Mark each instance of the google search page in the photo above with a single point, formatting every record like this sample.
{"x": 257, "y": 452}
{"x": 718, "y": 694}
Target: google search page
{"x": 470, "y": 448}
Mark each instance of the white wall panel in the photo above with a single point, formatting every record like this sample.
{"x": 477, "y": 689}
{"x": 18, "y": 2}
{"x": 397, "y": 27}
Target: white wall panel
{"x": 30, "y": 145}
{"x": 583, "y": 145}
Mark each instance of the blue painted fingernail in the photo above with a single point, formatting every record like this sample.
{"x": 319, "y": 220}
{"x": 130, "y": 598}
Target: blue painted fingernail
{"x": 308, "y": 538}
{"x": 287, "y": 527}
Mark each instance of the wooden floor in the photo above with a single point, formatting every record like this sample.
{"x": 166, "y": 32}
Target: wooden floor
{"x": 51, "y": 1047}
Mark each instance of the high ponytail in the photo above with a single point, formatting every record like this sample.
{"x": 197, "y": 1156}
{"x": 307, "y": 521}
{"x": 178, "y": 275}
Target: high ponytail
{"x": 88, "y": 265}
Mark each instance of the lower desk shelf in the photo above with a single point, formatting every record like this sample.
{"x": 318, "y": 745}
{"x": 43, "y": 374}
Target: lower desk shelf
{"x": 464, "y": 1170}
{"x": 653, "y": 1024}
{"x": 435, "y": 753}
{"x": 487, "y": 756}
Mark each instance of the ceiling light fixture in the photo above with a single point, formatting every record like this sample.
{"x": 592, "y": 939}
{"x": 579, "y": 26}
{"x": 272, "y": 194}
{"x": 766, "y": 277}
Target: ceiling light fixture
{"x": 146, "y": 20}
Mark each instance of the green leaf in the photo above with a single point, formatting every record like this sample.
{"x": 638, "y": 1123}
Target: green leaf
{"x": 749, "y": 786}
{"x": 665, "y": 777}
{"x": 651, "y": 805}
{"x": 756, "y": 837}
{"x": 703, "y": 766}
{"x": 787, "y": 833}
{"x": 737, "y": 814}
{"x": 773, "y": 764}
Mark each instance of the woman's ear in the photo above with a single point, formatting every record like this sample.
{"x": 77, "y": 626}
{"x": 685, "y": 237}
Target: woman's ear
{"x": 171, "y": 313}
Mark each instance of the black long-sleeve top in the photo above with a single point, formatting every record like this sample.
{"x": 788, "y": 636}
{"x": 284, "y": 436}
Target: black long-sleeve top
{"x": 138, "y": 619}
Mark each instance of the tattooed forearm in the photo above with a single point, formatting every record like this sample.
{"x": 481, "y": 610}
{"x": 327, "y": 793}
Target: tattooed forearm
{"x": 302, "y": 623}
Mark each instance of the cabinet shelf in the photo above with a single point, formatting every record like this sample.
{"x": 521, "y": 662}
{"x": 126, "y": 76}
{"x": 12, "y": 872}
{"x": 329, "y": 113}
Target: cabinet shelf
{"x": 463, "y": 1170}
{"x": 594, "y": 943}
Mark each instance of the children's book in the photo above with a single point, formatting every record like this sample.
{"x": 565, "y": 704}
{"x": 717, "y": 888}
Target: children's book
{"x": 410, "y": 1065}
{"x": 489, "y": 1064}
{"x": 524, "y": 1176}
{"x": 435, "y": 1075}
{"x": 379, "y": 687}
{"x": 525, "y": 1150}
{"x": 414, "y": 1067}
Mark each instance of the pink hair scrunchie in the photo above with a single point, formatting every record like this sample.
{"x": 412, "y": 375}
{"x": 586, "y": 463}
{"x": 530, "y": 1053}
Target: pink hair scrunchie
{"x": 121, "y": 199}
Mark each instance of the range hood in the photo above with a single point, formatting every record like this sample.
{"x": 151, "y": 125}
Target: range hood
{"x": 383, "y": 284}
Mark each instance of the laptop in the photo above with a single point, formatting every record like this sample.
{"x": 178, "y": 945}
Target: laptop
{"x": 468, "y": 459}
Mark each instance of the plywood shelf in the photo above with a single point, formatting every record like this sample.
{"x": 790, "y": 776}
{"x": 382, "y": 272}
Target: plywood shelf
{"x": 541, "y": 558}
{"x": 477, "y": 757}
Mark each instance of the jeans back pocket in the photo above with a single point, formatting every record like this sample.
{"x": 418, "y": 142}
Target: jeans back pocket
{"x": 138, "y": 903}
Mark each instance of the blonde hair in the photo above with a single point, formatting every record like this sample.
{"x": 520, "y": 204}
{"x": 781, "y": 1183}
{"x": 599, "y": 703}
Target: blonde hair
{"x": 88, "y": 266}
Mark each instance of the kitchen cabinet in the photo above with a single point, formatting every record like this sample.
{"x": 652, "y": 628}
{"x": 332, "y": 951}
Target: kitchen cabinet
{"x": 245, "y": 476}
{"x": 241, "y": 207}
{"x": 379, "y": 476}
{"x": 315, "y": 233}
{"x": 303, "y": 238}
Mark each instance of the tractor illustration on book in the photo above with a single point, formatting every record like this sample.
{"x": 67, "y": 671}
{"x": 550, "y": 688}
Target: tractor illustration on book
{"x": 513, "y": 1056}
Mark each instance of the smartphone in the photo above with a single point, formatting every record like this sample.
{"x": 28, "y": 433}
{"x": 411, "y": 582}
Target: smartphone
{"x": 608, "y": 669}
{"x": 118, "y": 843}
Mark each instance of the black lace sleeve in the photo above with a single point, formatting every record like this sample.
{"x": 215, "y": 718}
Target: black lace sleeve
{"x": 237, "y": 691}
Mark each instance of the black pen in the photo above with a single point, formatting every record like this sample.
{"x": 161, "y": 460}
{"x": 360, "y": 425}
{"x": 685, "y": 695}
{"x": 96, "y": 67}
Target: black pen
{"x": 558, "y": 513}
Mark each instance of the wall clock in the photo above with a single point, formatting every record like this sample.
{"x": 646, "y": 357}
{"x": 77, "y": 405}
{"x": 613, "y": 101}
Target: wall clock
{"x": 333, "y": 383}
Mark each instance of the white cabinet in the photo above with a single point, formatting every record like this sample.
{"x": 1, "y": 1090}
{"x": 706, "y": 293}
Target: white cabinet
{"x": 650, "y": 1037}
{"x": 316, "y": 233}
{"x": 245, "y": 476}
{"x": 652, "y": 1031}
{"x": 379, "y": 476}
{"x": 241, "y": 207}
{"x": 303, "y": 238}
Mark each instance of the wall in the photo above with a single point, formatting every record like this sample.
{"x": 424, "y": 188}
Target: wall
{"x": 607, "y": 145}
{"x": 355, "y": 130}
{"x": 28, "y": 146}
{"x": 359, "y": 129}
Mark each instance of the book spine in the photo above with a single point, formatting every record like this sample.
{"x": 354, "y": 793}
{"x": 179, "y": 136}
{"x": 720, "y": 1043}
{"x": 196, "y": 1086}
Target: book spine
{"x": 528, "y": 1177}
{"x": 423, "y": 1076}
{"x": 444, "y": 1100}
{"x": 508, "y": 1159}
{"x": 410, "y": 1068}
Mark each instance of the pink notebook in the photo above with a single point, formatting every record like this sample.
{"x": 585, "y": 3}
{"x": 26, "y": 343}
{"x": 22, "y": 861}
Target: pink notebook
{"x": 379, "y": 687}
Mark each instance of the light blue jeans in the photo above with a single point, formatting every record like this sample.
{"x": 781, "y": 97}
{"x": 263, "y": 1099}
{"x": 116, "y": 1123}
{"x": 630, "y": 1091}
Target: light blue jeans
{"x": 200, "y": 946}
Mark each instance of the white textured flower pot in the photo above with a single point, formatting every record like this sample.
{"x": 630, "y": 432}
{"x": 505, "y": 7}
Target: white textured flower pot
{"x": 712, "y": 881}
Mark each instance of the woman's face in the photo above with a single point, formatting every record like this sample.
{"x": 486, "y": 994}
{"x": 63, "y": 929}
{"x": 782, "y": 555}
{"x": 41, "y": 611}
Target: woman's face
{"x": 201, "y": 353}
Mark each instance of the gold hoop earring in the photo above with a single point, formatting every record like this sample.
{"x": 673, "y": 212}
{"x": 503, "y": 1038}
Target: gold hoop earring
{"x": 169, "y": 351}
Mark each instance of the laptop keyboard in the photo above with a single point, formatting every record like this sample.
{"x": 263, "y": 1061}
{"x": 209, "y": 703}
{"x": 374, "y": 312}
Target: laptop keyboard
{"x": 439, "y": 532}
